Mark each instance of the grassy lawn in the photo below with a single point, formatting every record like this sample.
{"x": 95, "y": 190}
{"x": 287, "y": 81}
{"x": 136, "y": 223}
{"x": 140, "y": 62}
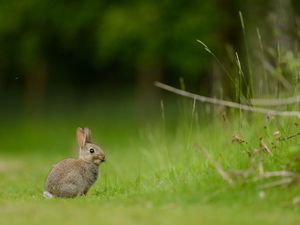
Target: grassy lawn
{"x": 154, "y": 173}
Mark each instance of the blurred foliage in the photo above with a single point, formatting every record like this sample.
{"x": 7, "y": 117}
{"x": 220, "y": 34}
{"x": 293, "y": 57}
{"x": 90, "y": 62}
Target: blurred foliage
{"x": 74, "y": 42}
{"x": 88, "y": 40}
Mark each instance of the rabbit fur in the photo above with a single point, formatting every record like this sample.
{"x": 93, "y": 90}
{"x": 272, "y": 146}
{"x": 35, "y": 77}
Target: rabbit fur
{"x": 74, "y": 177}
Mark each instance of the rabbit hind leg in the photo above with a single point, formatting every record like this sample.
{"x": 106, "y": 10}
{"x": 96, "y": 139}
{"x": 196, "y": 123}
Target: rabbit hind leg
{"x": 69, "y": 191}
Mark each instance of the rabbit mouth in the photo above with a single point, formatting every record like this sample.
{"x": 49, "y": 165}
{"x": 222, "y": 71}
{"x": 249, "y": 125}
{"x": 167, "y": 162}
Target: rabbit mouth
{"x": 99, "y": 159}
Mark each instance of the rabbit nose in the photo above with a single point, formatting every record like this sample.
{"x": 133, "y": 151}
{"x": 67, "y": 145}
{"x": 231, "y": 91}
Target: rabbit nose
{"x": 102, "y": 158}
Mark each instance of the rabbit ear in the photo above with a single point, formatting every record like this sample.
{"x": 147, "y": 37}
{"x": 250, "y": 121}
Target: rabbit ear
{"x": 88, "y": 134}
{"x": 81, "y": 136}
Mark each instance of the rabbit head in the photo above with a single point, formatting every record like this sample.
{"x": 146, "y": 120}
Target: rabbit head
{"x": 88, "y": 151}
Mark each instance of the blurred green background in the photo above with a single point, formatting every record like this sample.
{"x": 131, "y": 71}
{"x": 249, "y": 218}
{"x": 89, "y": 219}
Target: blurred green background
{"x": 86, "y": 47}
{"x": 91, "y": 63}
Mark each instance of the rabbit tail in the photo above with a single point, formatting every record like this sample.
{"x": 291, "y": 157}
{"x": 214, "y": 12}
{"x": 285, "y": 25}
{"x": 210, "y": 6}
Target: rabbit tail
{"x": 47, "y": 194}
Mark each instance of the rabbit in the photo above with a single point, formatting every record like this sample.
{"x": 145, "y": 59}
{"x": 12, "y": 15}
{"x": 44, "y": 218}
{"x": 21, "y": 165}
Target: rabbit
{"x": 74, "y": 177}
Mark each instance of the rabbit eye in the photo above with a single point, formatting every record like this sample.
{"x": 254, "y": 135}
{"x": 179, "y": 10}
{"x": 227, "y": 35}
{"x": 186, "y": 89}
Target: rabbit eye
{"x": 92, "y": 150}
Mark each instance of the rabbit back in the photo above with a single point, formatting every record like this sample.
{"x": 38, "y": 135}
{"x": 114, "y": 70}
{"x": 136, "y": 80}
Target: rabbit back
{"x": 71, "y": 178}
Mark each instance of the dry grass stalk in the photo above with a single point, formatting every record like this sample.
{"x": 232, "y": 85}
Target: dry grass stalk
{"x": 237, "y": 139}
{"x": 260, "y": 167}
{"x": 289, "y": 137}
{"x": 217, "y": 166}
{"x": 271, "y": 174}
{"x": 226, "y": 103}
{"x": 264, "y": 147}
{"x": 276, "y": 102}
{"x": 282, "y": 182}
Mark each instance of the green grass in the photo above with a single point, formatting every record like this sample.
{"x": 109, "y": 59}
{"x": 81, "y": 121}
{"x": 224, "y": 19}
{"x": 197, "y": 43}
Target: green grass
{"x": 154, "y": 174}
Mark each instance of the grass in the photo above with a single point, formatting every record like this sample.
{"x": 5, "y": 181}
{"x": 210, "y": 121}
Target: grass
{"x": 154, "y": 173}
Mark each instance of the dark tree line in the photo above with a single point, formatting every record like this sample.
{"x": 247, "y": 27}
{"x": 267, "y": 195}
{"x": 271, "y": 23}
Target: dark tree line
{"x": 68, "y": 43}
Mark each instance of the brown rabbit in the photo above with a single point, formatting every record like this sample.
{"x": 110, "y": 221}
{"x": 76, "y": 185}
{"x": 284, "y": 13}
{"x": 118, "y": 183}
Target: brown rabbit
{"x": 74, "y": 177}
